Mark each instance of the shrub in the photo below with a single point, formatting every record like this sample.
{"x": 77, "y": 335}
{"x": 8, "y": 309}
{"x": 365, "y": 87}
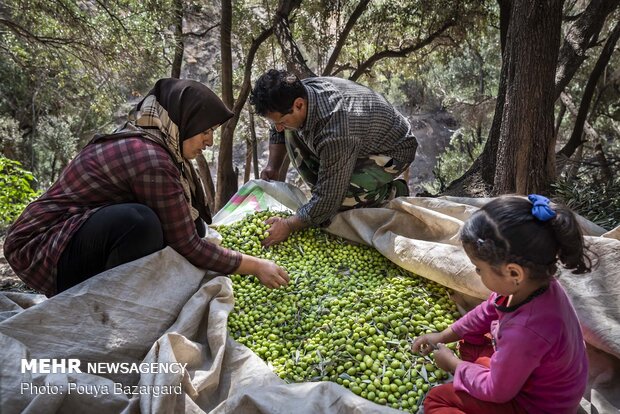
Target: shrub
{"x": 598, "y": 203}
{"x": 16, "y": 191}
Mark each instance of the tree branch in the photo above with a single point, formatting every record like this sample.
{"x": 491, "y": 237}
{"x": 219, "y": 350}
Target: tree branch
{"x": 579, "y": 37}
{"x": 402, "y": 52}
{"x": 247, "y": 75}
{"x": 112, "y": 16}
{"x": 203, "y": 33}
{"x": 342, "y": 39}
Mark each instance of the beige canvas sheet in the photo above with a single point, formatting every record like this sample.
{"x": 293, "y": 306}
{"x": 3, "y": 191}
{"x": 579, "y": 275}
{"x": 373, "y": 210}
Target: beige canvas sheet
{"x": 162, "y": 309}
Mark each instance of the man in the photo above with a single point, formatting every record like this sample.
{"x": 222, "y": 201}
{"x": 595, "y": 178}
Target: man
{"x": 347, "y": 142}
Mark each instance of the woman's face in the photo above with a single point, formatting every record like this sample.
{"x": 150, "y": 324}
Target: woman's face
{"x": 193, "y": 146}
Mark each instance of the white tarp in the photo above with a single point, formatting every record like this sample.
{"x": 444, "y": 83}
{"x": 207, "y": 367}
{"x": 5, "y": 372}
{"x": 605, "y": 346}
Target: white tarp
{"x": 162, "y": 309}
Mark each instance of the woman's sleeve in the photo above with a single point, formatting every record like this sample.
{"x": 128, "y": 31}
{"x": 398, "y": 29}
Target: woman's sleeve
{"x": 157, "y": 184}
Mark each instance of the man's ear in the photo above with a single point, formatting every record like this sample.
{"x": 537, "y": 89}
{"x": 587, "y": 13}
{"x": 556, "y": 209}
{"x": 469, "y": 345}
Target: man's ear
{"x": 515, "y": 272}
{"x": 299, "y": 103}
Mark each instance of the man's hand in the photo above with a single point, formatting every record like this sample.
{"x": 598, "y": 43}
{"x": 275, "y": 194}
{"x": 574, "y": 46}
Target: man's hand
{"x": 277, "y": 152}
{"x": 269, "y": 173}
{"x": 270, "y": 274}
{"x": 279, "y": 231}
{"x": 281, "y": 228}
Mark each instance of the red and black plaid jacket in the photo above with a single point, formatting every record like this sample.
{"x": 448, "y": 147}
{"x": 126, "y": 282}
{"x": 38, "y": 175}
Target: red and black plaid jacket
{"x": 130, "y": 170}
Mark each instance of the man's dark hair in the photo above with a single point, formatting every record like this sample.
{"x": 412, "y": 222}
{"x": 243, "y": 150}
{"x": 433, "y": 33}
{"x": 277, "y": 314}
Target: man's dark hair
{"x": 275, "y": 91}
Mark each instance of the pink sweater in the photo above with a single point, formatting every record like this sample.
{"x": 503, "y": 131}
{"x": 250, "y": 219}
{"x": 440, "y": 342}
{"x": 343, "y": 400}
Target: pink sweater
{"x": 540, "y": 357}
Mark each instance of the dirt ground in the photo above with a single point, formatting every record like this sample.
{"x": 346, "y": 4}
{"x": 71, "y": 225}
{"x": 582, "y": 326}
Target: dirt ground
{"x": 8, "y": 280}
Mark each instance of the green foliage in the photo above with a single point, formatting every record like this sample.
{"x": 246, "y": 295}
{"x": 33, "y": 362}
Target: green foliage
{"x": 56, "y": 144}
{"x": 384, "y": 30}
{"x": 76, "y": 59}
{"x": 17, "y": 192}
{"x": 599, "y": 203}
{"x": 10, "y": 136}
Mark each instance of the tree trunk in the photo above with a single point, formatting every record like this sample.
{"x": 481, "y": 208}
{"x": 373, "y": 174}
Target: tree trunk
{"x": 248, "y": 160}
{"x": 606, "y": 174}
{"x": 53, "y": 169}
{"x": 572, "y": 168}
{"x": 254, "y": 145}
{"x": 559, "y": 119}
{"x": 588, "y": 131}
{"x": 207, "y": 180}
{"x": 179, "y": 46}
{"x": 284, "y": 168}
{"x": 482, "y": 172}
{"x": 226, "y": 178}
{"x": 525, "y": 156}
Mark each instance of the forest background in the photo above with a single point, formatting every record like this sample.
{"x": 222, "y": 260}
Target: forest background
{"x": 506, "y": 96}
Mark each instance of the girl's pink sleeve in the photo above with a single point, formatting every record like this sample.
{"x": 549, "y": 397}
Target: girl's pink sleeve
{"x": 477, "y": 322}
{"x": 518, "y": 353}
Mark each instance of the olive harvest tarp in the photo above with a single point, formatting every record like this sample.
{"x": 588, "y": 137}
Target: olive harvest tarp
{"x": 162, "y": 309}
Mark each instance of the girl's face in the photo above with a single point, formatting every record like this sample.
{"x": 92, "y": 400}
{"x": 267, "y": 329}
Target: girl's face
{"x": 193, "y": 146}
{"x": 497, "y": 280}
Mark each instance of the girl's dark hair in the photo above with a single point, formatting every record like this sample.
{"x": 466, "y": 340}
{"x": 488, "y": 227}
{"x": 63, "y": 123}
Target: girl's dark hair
{"x": 275, "y": 91}
{"x": 506, "y": 231}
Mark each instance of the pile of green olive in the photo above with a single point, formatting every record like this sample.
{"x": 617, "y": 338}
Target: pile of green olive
{"x": 348, "y": 315}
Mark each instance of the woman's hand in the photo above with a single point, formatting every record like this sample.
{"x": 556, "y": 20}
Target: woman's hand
{"x": 445, "y": 358}
{"x": 270, "y": 274}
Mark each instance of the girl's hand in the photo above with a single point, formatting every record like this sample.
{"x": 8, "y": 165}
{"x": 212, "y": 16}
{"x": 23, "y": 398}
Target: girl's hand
{"x": 425, "y": 344}
{"x": 445, "y": 358}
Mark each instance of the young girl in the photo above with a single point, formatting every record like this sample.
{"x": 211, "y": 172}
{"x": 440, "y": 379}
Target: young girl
{"x": 534, "y": 360}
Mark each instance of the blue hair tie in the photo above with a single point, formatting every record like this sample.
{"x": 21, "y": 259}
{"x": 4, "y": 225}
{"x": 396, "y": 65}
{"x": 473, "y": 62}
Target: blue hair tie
{"x": 540, "y": 208}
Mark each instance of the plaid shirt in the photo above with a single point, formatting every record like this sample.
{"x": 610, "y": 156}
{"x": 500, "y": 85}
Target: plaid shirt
{"x": 130, "y": 170}
{"x": 346, "y": 121}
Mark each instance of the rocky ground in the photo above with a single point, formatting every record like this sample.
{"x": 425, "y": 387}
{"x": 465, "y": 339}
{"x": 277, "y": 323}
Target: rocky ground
{"x": 8, "y": 280}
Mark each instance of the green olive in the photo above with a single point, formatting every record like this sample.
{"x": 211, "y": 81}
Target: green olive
{"x": 348, "y": 314}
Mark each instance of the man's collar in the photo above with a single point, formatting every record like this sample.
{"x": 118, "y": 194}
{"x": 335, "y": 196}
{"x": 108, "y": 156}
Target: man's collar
{"x": 311, "y": 108}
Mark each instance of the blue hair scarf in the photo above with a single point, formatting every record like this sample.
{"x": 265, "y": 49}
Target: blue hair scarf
{"x": 540, "y": 207}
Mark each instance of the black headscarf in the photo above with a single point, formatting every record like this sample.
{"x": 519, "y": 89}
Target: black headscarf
{"x": 192, "y": 106}
{"x": 173, "y": 111}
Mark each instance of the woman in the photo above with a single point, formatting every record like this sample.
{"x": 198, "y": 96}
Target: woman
{"x": 129, "y": 194}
